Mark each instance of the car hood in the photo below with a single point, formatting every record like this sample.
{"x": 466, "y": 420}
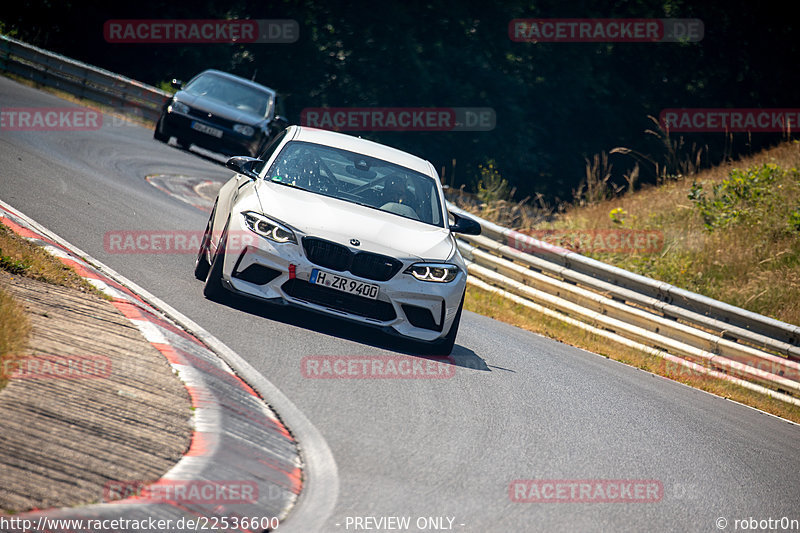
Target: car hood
{"x": 339, "y": 221}
{"x": 215, "y": 107}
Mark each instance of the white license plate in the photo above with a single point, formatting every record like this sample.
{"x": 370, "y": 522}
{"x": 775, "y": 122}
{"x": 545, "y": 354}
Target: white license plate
{"x": 214, "y": 132}
{"x": 340, "y": 283}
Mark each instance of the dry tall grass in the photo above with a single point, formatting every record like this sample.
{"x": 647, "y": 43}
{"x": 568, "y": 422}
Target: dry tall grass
{"x": 754, "y": 265}
{"x": 14, "y": 331}
{"x": 21, "y": 257}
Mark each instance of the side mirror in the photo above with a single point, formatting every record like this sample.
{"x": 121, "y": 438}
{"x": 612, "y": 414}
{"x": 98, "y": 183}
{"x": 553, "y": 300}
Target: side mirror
{"x": 465, "y": 225}
{"x": 176, "y": 84}
{"x": 281, "y": 121}
{"x": 243, "y": 164}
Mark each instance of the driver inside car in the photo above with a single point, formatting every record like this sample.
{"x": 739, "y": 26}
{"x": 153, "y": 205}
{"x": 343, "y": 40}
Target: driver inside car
{"x": 396, "y": 191}
{"x": 399, "y": 198}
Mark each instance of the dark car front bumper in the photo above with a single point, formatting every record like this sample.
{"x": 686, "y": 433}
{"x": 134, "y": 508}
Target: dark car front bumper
{"x": 179, "y": 125}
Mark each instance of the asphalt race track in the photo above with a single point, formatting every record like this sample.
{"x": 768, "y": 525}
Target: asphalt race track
{"x": 518, "y": 406}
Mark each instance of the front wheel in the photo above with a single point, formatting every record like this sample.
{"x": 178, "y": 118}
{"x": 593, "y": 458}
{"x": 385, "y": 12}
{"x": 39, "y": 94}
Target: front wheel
{"x": 201, "y": 264}
{"x": 214, "y": 290}
{"x": 444, "y": 347}
{"x": 157, "y": 135}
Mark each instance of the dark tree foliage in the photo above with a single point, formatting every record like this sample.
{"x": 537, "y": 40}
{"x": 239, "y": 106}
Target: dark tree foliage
{"x": 556, "y": 103}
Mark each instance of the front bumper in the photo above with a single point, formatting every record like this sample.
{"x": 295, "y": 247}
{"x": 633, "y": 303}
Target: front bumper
{"x": 406, "y": 306}
{"x": 178, "y": 125}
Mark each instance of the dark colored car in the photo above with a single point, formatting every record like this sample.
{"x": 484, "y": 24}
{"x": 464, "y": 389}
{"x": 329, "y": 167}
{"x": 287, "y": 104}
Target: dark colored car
{"x": 221, "y": 112}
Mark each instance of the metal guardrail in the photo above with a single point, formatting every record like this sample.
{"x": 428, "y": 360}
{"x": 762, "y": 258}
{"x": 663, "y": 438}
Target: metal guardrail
{"x": 708, "y": 335}
{"x": 80, "y": 79}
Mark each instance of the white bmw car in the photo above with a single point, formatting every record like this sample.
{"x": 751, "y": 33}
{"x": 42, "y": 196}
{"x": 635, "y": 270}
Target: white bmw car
{"x": 342, "y": 226}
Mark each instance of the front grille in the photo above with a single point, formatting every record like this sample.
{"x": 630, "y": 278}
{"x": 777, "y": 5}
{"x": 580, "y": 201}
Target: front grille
{"x": 349, "y": 303}
{"x": 213, "y": 119}
{"x": 327, "y": 254}
{"x": 421, "y": 317}
{"x": 374, "y": 266}
{"x": 367, "y": 265}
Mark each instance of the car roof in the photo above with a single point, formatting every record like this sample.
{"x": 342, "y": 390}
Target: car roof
{"x": 363, "y": 146}
{"x": 238, "y": 79}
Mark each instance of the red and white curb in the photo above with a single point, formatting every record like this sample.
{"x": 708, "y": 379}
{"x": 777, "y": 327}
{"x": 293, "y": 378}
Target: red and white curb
{"x": 237, "y": 438}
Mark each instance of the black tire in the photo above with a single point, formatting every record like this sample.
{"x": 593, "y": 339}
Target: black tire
{"x": 214, "y": 290}
{"x": 201, "y": 264}
{"x": 444, "y": 347}
{"x": 157, "y": 135}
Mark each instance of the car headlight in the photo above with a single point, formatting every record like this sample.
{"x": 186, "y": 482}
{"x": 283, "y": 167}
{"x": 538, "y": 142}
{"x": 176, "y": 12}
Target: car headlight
{"x": 245, "y": 130}
{"x": 436, "y": 272}
{"x": 178, "y": 107}
{"x": 268, "y": 228}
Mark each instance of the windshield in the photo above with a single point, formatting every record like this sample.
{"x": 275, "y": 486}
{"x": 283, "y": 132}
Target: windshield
{"x": 358, "y": 179}
{"x": 229, "y": 92}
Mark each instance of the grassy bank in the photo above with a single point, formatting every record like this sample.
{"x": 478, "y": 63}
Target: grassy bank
{"x": 14, "y": 331}
{"x": 20, "y": 257}
{"x": 731, "y": 233}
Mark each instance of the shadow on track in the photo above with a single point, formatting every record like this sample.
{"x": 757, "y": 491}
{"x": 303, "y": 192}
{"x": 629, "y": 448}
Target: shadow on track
{"x": 321, "y": 323}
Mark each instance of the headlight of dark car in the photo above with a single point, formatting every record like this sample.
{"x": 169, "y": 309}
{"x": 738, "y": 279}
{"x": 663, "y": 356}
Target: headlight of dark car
{"x": 244, "y": 129}
{"x": 268, "y": 228}
{"x": 178, "y": 107}
{"x": 435, "y": 272}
